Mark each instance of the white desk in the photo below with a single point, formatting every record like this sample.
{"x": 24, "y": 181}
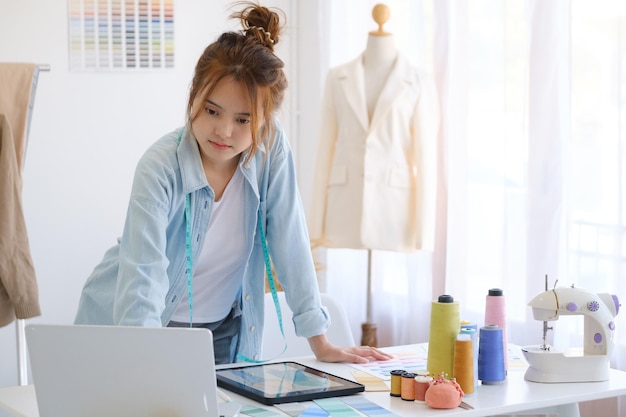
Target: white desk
{"x": 514, "y": 396}
{"x": 20, "y": 401}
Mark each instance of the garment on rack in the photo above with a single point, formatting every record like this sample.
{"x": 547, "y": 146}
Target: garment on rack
{"x": 16, "y": 87}
{"x": 19, "y": 295}
{"x": 375, "y": 181}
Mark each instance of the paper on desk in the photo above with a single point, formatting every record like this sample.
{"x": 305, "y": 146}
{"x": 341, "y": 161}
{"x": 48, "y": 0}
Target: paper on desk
{"x": 372, "y": 383}
{"x": 367, "y": 407}
{"x": 408, "y": 358}
{"x": 302, "y": 409}
{"x": 251, "y": 410}
{"x": 517, "y": 362}
{"x": 229, "y": 409}
{"x": 414, "y": 358}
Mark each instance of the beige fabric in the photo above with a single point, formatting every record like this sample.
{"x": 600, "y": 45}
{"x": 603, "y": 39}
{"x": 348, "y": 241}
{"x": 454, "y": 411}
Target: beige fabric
{"x": 374, "y": 184}
{"x": 16, "y": 82}
{"x": 19, "y": 296}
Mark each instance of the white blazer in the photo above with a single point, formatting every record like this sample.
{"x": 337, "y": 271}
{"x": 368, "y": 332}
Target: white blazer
{"x": 375, "y": 181}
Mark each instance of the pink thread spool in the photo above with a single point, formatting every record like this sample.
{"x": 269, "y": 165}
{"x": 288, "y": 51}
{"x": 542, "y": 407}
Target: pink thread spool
{"x": 422, "y": 383}
{"x": 495, "y": 313}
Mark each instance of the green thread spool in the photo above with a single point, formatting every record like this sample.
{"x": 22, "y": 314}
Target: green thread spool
{"x": 444, "y": 328}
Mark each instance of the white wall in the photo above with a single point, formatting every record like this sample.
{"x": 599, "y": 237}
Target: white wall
{"x": 88, "y": 131}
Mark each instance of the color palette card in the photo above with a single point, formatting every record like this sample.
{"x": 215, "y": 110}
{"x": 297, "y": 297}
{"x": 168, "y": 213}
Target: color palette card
{"x": 408, "y": 358}
{"x": 302, "y": 409}
{"x": 371, "y": 382}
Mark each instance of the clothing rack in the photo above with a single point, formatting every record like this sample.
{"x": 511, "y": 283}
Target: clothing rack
{"x": 22, "y": 353}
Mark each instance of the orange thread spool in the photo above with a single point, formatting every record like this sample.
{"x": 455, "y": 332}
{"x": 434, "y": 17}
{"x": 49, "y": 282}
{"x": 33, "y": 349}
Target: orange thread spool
{"x": 422, "y": 383}
{"x": 408, "y": 386}
{"x": 396, "y": 382}
{"x": 464, "y": 363}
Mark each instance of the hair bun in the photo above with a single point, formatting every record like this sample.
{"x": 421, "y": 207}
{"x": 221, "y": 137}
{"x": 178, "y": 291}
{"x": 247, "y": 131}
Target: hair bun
{"x": 259, "y": 22}
{"x": 263, "y": 35}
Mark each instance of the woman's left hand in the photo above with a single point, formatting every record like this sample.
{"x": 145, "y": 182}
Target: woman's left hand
{"x": 327, "y": 352}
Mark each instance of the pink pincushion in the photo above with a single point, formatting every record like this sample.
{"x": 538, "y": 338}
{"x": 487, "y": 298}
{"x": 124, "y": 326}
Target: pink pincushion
{"x": 444, "y": 393}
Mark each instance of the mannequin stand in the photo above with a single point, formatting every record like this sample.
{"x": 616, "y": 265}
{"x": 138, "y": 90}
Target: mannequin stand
{"x": 368, "y": 335}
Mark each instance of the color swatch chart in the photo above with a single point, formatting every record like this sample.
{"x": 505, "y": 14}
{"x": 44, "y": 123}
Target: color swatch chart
{"x": 414, "y": 358}
{"x": 114, "y": 35}
{"x": 408, "y": 359}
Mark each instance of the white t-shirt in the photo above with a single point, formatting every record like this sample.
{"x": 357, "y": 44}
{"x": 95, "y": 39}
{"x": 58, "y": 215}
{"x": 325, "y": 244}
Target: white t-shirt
{"x": 218, "y": 271}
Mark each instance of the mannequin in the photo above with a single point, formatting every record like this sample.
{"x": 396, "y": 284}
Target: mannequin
{"x": 375, "y": 175}
{"x": 375, "y": 172}
{"x": 378, "y": 60}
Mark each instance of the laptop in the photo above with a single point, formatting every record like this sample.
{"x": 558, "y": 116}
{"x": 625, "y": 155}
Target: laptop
{"x": 123, "y": 371}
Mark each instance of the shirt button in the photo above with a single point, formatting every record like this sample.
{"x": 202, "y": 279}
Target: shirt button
{"x": 252, "y": 328}
{"x": 248, "y": 297}
{"x": 256, "y": 357}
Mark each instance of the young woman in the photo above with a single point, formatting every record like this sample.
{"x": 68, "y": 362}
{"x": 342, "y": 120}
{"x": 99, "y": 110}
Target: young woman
{"x": 209, "y": 200}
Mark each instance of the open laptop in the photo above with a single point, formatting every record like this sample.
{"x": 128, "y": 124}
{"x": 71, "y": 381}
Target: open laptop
{"x": 122, "y": 371}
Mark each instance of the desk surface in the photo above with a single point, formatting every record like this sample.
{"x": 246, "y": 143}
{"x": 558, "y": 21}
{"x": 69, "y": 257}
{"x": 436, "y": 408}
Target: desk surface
{"x": 514, "y": 396}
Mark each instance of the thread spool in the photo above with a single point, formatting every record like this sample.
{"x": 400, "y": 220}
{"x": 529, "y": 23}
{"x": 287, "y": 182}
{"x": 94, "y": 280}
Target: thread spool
{"x": 473, "y": 333}
{"x": 444, "y": 327}
{"x": 469, "y": 325}
{"x": 396, "y": 382}
{"x": 464, "y": 363}
{"x": 422, "y": 383}
{"x": 491, "y": 355}
{"x": 495, "y": 313}
{"x": 408, "y": 386}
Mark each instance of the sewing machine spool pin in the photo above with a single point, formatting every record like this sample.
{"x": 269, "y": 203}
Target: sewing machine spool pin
{"x": 545, "y": 345}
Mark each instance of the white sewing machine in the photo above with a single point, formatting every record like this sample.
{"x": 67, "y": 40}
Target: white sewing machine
{"x": 592, "y": 364}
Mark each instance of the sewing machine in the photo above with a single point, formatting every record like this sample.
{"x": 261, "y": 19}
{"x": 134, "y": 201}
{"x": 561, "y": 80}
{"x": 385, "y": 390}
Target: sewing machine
{"x": 592, "y": 364}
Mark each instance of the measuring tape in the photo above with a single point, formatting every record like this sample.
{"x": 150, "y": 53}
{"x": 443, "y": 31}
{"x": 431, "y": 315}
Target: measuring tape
{"x": 268, "y": 268}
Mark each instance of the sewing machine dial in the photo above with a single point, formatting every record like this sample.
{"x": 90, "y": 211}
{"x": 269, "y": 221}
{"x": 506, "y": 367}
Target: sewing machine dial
{"x": 593, "y": 306}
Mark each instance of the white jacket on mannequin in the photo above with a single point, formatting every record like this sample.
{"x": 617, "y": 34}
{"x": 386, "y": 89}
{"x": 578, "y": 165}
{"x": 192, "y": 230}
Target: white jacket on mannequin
{"x": 375, "y": 182}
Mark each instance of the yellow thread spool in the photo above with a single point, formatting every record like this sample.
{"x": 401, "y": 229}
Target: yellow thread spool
{"x": 464, "y": 363}
{"x": 396, "y": 382}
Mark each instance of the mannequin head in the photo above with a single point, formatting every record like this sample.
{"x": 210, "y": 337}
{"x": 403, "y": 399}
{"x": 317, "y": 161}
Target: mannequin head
{"x": 381, "y": 14}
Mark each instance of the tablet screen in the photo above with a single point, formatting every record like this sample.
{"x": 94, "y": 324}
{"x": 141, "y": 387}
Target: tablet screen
{"x": 283, "y": 382}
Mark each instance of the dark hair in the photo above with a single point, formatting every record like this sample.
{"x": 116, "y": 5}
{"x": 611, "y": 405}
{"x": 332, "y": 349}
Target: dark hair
{"x": 248, "y": 58}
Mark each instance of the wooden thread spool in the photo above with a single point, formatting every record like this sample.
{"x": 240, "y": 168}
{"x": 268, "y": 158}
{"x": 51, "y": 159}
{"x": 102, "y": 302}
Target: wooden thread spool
{"x": 396, "y": 382}
{"x": 407, "y": 390}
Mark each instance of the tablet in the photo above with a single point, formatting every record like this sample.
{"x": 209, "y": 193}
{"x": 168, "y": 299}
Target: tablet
{"x": 284, "y": 382}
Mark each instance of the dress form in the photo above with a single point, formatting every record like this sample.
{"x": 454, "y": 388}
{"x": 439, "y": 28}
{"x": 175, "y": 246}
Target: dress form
{"x": 378, "y": 60}
{"x": 374, "y": 174}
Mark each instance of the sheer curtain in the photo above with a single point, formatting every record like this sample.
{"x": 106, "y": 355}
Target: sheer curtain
{"x": 532, "y": 162}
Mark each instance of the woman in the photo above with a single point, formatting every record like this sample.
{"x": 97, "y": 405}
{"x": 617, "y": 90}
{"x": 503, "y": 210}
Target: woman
{"x": 204, "y": 199}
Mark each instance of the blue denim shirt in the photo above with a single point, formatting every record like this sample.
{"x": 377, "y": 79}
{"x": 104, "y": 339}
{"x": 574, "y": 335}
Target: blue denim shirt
{"x": 140, "y": 280}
